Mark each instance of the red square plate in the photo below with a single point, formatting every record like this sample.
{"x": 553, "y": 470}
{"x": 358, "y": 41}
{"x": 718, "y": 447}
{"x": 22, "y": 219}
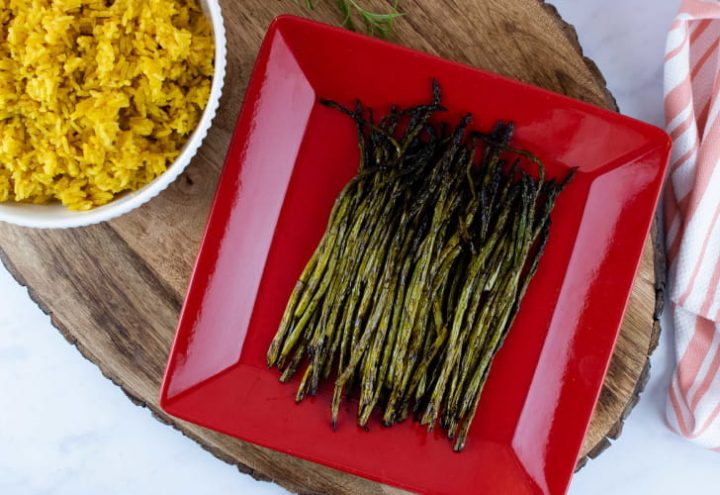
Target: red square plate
{"x": 288, "y": 160}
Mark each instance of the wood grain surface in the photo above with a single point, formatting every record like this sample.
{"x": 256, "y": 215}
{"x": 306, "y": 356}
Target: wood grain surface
{"x": 114, "y": 290}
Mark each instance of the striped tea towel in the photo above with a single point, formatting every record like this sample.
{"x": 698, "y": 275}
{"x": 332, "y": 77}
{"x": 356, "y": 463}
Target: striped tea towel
{"x": 692, "y": 210}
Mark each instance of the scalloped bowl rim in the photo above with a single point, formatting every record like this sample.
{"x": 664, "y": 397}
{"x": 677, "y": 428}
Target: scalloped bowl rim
{"x": 57, "y": 216}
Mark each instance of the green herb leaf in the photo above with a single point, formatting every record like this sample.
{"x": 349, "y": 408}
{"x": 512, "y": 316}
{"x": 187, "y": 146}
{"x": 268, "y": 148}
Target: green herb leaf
{"x": 310, "y": 4}
{"x": 347, "y": 20}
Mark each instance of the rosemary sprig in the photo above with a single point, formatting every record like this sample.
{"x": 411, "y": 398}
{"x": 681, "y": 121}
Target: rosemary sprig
{"x": 376, "y": 23}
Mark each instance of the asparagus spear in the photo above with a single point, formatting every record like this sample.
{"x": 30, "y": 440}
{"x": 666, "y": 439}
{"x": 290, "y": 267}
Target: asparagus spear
{"x": 421, "y": 272}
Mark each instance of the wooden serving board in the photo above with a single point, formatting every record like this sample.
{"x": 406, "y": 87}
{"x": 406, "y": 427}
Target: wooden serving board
{"x": 114, "y": 290}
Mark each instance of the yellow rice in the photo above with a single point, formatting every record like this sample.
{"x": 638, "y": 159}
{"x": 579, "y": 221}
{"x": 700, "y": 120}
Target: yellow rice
{"x": 97, "y": 97}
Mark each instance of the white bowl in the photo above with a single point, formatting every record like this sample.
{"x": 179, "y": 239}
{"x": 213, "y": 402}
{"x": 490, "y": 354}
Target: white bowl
{"x": 57, "y": 216}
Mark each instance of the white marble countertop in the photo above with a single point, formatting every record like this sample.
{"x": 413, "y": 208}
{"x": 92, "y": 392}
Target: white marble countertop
{"x": 64, "y": 429}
